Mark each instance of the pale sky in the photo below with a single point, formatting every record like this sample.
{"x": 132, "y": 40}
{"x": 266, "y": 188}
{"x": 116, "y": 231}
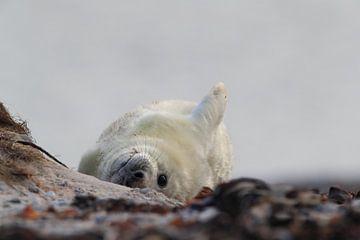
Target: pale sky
{"x": 291, "y": 68}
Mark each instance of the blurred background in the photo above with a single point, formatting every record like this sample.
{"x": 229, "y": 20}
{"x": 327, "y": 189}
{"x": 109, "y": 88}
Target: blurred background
{"x": 291, "y": 68}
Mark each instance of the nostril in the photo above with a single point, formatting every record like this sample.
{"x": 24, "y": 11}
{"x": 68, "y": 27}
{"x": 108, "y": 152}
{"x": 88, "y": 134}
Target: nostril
{"x": 139, "y": 174}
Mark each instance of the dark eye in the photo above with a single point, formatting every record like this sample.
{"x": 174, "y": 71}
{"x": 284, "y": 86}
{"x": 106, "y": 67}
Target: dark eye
{"x": 162, "y": 180}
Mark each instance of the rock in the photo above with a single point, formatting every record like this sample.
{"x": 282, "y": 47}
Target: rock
{"x": 338, "y": 195}
{"x": 33, "y": 189}
{"x": 50, "y": 194}
{"x": 237, "y": 196}
{"x": 15, "y": 200}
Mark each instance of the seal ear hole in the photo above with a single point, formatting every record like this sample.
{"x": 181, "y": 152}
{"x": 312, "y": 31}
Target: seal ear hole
{"x": 162, "y": 180}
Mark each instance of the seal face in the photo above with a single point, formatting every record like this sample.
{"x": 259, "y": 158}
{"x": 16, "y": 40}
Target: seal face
{"x": 174, "y": 147}
{"x": 133, "y": 172}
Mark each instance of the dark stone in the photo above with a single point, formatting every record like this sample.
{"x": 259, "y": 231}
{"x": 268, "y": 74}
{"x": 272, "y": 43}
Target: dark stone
{"x": 15, "y": 201}
{"x": 33, "y": 189}
{"x": 338, "y": 195}
{"x": 237, "y": 196}
{"x": 84, "y": 202}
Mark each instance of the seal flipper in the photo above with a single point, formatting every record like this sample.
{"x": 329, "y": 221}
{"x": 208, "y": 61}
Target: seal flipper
{"x": 209, "y": 113}
{"x": 90, "y": 162}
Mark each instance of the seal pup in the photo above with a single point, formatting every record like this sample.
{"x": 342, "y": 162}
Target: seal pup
{"x": 175, "y": 147}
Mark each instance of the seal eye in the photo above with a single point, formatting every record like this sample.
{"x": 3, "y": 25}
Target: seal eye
{"x": 162, "y": 180}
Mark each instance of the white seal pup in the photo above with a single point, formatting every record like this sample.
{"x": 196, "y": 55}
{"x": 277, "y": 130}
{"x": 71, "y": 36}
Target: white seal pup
{"x": 175, "y": 147}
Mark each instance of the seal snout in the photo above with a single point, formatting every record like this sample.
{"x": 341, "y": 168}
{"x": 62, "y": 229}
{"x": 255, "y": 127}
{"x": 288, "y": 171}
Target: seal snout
{"x": 134, "y": 172}
{"x": 134, "y": 179}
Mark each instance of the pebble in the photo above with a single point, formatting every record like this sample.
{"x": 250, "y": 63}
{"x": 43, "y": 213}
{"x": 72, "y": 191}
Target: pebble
{"x": 144, "y": 190}
{"x": 64, "y": 184}
{"x": 79, "y": 191}
{"x": 15, "y": 201}
{"x": 33, "y": 189}
{"x": 50, "y": 194}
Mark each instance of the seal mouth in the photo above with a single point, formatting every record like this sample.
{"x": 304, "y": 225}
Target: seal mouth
{"x": 134, "y": 172}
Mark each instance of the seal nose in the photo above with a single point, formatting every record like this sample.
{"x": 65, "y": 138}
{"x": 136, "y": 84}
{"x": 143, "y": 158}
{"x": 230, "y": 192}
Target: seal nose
{"x": 135, "y": 178}
{"x": 139, "y": 174}
{"x": 134, "y": 172}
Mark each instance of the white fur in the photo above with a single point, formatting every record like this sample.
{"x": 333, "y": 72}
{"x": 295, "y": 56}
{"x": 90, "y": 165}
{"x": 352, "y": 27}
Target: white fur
{"x": 186, "y": 141}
